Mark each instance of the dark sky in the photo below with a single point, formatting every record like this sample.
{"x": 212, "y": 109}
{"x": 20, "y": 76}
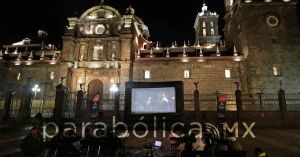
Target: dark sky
{"x": 167, "y": 20}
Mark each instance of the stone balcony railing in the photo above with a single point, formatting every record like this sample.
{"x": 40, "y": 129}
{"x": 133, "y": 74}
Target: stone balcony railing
{"x": 97, "y": 64}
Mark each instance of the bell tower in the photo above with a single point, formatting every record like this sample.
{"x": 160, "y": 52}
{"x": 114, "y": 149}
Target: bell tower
{"x": 267, "y": 34}
{"x": 206, "y": 27}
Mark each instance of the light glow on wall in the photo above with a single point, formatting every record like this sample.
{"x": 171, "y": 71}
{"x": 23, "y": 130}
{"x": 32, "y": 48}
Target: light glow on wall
{"x": 52, "y": 75}
{"x": 147, "y": 74}
{"x": 227, "y": 73}
{"x": 186, "y": 74}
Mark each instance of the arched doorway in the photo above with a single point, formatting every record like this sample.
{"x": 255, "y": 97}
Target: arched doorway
{"x": 95, "y": 95}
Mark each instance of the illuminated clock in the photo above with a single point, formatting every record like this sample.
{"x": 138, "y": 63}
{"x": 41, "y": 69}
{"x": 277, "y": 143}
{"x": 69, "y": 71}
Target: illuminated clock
{"x": 272, "y": 20}
{"x": 99, "y": 29}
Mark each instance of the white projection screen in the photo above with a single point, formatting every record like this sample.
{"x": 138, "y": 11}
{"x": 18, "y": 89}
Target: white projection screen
{"x": 153, "y": 100}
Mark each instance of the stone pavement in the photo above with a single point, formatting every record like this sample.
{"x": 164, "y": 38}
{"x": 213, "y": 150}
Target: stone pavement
{"x": 279, "y": 142}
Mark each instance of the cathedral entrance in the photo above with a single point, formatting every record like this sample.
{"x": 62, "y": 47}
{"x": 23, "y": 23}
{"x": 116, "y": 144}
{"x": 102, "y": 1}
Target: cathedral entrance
{"x": 95, "y": 96}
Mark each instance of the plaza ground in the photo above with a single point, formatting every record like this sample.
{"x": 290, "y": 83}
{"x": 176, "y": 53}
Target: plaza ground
{"x": 277, "y": 142}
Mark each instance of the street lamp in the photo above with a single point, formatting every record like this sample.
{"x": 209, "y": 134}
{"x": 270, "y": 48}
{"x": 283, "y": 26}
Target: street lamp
{"x": 115, "y": 89}
{"x": 36, "y": 89}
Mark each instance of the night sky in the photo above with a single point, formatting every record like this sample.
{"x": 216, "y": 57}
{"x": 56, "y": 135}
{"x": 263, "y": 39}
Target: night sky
{"x": 167, "y": 20}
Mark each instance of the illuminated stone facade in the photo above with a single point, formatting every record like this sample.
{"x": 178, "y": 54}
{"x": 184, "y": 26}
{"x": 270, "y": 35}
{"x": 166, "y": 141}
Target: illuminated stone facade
{"x": 103, "y": 47}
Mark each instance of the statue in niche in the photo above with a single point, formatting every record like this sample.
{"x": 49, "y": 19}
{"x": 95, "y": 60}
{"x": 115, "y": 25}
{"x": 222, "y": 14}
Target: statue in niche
{"x": 113, "y": 56}
{"x": 82, "y": 52}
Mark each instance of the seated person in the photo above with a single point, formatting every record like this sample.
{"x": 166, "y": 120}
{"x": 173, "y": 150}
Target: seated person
{"x": 198, "y": 145}
{"x": 173, "y": 140}
{"x": 181, "y": 148}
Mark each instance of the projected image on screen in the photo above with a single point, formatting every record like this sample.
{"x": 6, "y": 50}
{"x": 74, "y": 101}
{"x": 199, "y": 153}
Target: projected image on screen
{"x": 153, "y": 100}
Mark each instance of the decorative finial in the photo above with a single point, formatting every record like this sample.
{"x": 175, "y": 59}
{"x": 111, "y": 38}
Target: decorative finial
{"x": 237, "y": 85}
{"x": 184, "y": 45}
{"x": 196, "y": 84}
{"x": 218, "y": 51}
{"x": 130, "y": 10}
{"x": 42, "y": 55}
{"x": 54, "y": 55}
{"x": 198, "y": 44}
{"x": 6, "y": 51}
{"x": 184, "y": 52}
{"x": 62, "y": 79}
{"x": 204, "y": 7}
{"x": 102, "y": 2}
{"x": 175, "y": 43}
{"x": 81, "y": 84}
{"x": 201, "y": 52}
{"x": 139, "y": 54}
{"x": 30, "y": 57}
{"x": 151, "y": 53}
{"x": 235, "y": 51}
{"x": 19, "y": 56}
{"x": 157, "y": 45}
{"x": 16, "y": 51}
{"x": 168, "y": 53}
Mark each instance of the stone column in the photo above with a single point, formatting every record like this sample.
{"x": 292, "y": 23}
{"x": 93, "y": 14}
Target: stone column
{"x": 61, "y": 100}
{"x": 25, "y": 105}
{"x": 196, "y": 101}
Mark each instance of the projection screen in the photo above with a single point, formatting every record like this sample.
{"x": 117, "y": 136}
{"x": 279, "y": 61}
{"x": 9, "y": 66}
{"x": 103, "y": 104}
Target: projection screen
{"x": 153, "y": 100}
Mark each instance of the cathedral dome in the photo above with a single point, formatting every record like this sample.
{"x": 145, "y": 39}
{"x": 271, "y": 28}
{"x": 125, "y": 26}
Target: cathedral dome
{"x": 100, "y": 12}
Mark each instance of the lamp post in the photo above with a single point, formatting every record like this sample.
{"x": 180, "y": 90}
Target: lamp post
{"x": 36, "y": 89}
{"x": 260, "y": 93}
{"x": 115, "y": 88}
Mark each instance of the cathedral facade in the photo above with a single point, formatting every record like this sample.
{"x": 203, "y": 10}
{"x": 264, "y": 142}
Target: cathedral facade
{"x": 103, "y": 49}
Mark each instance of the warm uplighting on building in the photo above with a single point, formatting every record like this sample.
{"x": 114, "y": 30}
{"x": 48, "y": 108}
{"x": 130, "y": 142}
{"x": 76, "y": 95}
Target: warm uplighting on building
{"x": 185, "y": 60}
{"x": 28, "y": 63}
{"x": 19, "y": 76}
{"x": 16, "y": 51}
{"x": 201, "y": 60}
{"x": 237, "y": 58}
{"x": 227, "y": 73}
{"x": 52, "y": 75}
{"x": 147, "y": 74}
{"x": 17, "y": 63}
{"x": 209, "y": 46}
{"x": 53, "y": 62}
{"x": 186, "y": 74}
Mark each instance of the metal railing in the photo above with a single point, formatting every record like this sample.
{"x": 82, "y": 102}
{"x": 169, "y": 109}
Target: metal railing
{"x": 251, "y": 102}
